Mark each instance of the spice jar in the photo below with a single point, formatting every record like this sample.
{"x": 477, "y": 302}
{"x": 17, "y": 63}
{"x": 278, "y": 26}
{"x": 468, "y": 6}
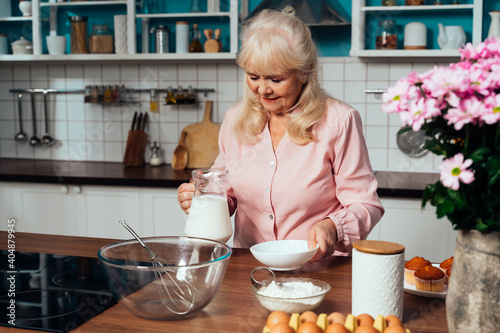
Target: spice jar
{"x": 101, "y": 40}
{"x": 78, "y": 37}
{"x": 414, "y": 2}
{"x": 387, "y": 36}
{"x": 388, "y": 2}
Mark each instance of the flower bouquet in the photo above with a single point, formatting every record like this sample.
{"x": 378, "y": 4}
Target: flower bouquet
{"x": 458, "y": 107}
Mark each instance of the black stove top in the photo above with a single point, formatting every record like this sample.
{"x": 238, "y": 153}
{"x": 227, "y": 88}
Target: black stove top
{"x": 51, "y": 292}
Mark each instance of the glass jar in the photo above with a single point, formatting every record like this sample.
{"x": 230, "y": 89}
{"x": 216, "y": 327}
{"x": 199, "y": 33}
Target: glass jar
{"x": 388, "y": 2}
{"x": 209, "y": 214}
{"x": 387, "y": 36}
{"x": 414, "y": 2}
{"x": 101, "y": 40}
{"x": 78, "y": 35}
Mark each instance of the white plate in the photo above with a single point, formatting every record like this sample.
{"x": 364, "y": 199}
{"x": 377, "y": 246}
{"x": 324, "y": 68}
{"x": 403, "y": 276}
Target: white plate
{"x": 411, "y": 289}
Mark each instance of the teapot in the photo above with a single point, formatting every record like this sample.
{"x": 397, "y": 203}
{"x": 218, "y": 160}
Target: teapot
{"x": 451, "y": 37}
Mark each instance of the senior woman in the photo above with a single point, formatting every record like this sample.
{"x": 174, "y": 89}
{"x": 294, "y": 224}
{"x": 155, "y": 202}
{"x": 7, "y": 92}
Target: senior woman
{"x": 297, "y": 159}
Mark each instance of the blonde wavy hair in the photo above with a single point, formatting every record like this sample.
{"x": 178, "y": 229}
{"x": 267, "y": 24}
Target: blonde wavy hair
{"x": 273, "y": 43}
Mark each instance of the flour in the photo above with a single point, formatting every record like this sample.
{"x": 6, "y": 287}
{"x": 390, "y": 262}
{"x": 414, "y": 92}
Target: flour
{"x": 291, "y": 289}
{"x": 292, "y": 297}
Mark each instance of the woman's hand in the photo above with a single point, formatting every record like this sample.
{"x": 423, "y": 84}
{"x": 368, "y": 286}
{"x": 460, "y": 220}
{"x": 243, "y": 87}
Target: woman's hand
{"x": 323, "y": 233}
{"x": 185, "y": 194}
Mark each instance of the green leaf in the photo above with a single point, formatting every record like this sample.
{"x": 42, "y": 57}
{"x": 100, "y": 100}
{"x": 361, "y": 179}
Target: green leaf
{"x": 478, "y": 154}
{"x": 445, "y": 208}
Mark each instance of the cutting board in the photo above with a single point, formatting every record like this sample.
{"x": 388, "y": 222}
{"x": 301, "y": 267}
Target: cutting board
{"x": 201, "y": 141}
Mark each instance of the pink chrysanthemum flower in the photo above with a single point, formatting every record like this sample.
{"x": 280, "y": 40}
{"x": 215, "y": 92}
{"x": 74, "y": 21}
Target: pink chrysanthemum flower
{"x": 454, "y": 170}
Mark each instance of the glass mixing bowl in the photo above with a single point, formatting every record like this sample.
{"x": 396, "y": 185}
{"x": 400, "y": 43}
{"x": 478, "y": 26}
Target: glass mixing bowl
{"x": 187, "y": 285}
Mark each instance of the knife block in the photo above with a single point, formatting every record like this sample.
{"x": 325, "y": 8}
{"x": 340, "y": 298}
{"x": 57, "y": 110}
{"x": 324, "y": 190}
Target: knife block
{"x": 136, "y": 148}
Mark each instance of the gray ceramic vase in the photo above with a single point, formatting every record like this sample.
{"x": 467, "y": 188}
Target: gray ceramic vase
{"x": 473, "y": 299}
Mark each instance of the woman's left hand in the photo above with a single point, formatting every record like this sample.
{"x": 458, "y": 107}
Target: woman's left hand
{"x": 323, "y": 233}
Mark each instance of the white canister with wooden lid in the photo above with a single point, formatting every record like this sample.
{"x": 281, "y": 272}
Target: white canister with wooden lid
{"x": 415, "y": 36}
{"x": 377, "y": 278}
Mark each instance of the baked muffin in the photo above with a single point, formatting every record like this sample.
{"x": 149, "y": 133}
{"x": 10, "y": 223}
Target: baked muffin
{"x": 445, "y": 266}
{"x": 429, "y": 278}
{"x": 412, "y": 265}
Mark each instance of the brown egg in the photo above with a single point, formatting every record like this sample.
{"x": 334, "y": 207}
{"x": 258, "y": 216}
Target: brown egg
{"x": 309, "y": 327}
{"x": 365, "y": 319}
{"x": 281, "y": 327}
{"x": 391, "y": 320}
{"x": 336, "y": 328}
{"x": 395, "y": 329}
{"x": 277, "y": 317}
{"x": 366, "y": 329}
{"x": 308, "y": 316}
{"x": 336, "y": 317}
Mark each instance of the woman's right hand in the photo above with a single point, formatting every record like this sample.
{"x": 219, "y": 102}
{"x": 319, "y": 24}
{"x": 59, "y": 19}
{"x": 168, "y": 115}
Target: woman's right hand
{"x": 185, "y": 194}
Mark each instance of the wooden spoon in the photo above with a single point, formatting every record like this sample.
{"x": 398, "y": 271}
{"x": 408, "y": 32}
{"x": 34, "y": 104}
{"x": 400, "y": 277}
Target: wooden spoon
{"x": 180, "y": 156}
{"x": 217, "y": 38}
{"x": 211, "y": 45}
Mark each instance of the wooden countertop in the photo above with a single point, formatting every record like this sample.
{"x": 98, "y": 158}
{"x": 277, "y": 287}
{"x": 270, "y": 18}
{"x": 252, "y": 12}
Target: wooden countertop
{"x": 391, "y": 184}
{"x": 235, "y": 308}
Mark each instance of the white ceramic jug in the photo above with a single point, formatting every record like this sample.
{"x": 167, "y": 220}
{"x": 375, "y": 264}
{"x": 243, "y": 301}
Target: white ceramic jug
{"x": 451, "y": 37}
{"x": 495, "y": 24}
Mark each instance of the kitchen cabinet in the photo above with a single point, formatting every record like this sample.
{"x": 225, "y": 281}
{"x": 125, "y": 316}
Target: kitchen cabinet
{"x": 419, "y": 230}
{"x": 365, "y": 16}
{"x": 91, "y": 210}
{"x": 44, "y": 12}
{"x": 44, "y": 208}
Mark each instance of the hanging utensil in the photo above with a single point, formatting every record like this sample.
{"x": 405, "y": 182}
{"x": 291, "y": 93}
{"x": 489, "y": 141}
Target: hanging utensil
{"x": 35, "y": 140}
{"x": 21, "y": 135}
{"x": 47, "y": 139}
{"x": 412, "y": 143}
{"x": 166, "y": 289}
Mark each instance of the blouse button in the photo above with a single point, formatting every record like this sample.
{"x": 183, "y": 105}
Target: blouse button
{"x": 272, "y": 163}
{"x": 267, "y": 190}
{"x": 270, "y": 217}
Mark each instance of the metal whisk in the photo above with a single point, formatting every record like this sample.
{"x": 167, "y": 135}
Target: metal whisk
{"x": 185, "y": 292}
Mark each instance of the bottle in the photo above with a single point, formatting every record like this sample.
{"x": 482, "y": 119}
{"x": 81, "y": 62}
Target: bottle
{"x": 179, "y": 97}
{"x": 190, "y": 96}
{"x": 78, "y": 35}
{"x": 209, "y": 213}
{"x": 153, "y": 101}
{"x": 100, "y": 40}
{"x": 100, "y": 97}
{"x": 94, "y": 95}
{"x": 88, "y": 92}
{"x": 107, "y": 94}
{"x": 195, "y": 45}
{"x": 170, "y": 99}
{"x": 114, "y": 94}
{"x": 387, "y": 36}
{"x": 155, "y": 159}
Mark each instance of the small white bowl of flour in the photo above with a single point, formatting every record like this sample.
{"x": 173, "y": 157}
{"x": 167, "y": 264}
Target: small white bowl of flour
{"x": 295, "y": 295}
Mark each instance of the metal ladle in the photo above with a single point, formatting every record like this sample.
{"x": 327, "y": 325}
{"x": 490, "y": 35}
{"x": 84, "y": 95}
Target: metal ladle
{"x": 35, "y": 140}
{"x": 47, "y": 139}
{"x": 21, "y": 136}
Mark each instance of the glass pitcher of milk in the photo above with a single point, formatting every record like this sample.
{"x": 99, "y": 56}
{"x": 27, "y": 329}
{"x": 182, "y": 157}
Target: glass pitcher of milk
{"x": 209, "y": 214}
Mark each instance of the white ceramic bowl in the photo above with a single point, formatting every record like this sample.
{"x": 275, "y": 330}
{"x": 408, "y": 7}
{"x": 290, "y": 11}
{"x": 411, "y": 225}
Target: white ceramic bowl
{"x": 292, "y": 304}
{"x": 283, "y": 255}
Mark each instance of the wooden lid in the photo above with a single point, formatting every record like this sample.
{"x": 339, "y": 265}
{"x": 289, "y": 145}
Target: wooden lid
{"x": 378, "y": 247}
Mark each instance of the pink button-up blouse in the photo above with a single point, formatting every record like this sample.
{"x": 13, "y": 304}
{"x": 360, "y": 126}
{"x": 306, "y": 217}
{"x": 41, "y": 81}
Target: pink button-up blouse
{"x": 281, "y": 194}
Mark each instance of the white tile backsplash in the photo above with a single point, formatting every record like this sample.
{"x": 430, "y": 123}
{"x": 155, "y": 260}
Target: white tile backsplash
{"x": 94, "y": 132}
